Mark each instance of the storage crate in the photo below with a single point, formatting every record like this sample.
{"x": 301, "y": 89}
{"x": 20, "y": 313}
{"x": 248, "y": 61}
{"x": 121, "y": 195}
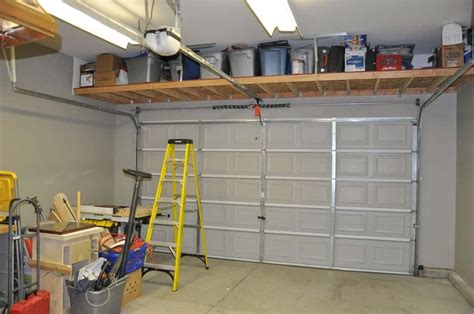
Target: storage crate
{"x": 243, "y": 62}
{"x": 273, "y": 60}
{"x": 144, "y": 69}
{"x": 218, "y": 60}
{"x": 389, "y": 62}
{"x": 306, "y": 56}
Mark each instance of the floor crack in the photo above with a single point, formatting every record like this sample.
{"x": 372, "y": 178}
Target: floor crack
{"x": 233, "y": 288}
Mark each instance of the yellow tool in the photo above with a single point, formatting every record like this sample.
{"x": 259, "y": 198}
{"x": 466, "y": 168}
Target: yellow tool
{"x": 178, "y": 210}
{"x": 8, "y": 189}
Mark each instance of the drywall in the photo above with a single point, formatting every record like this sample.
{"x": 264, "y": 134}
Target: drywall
{"x": 464, "y": 258}
{"x": 436, "y": 241}
{"x": 53, "y": 147}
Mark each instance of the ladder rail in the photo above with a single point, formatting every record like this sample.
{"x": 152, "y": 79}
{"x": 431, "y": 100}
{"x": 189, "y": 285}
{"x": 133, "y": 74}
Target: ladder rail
{"x": 159, "y": 190}
{"x": 181, "y": 219}
{"x": 199, "y": 210}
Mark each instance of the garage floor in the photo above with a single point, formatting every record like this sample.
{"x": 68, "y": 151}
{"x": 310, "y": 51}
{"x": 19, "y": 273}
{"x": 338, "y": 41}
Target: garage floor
{"x": 230, "y": 286}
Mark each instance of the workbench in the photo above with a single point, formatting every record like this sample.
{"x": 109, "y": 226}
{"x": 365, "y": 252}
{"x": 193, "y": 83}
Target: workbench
{"x": 140, "y": 219}
{"x": 61, "y": 256}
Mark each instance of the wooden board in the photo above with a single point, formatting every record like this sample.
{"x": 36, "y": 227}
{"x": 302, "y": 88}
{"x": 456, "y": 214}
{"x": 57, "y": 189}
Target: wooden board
{"x": 63, "y": 208}
{"x": 291, "y": 86}
{"x": 62, "y": 228}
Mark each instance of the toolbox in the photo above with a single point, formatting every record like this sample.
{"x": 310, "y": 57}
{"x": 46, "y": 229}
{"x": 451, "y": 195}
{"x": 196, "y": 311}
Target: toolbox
{"x": 36, "y": 303}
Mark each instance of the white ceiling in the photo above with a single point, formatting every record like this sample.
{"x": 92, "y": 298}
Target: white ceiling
{"x": 225, "y": 22}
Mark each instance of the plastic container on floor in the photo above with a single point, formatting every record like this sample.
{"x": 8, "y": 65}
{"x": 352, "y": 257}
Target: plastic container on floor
{"x": 304, "y": 55}
{"x": 273, "y": 60}
{"x": 219, "y": 60}
{"x": 105, "y": 301}
{"x": 36, "y": 303}
{"x": 243, "y": 62}
{"x": 144, "y": 69}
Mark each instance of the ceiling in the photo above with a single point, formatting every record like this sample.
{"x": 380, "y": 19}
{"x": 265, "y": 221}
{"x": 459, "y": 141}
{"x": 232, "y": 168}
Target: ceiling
{"x": 226, "y": 22}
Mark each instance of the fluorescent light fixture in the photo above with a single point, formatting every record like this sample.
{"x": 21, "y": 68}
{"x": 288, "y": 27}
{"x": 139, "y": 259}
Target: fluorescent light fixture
{"x": 85, "y": 22}
{"x": 274, "y": 14}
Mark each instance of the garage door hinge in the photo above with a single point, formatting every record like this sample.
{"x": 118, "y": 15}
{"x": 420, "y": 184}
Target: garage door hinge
{"x": 262, "y": 217}
{"x": 416, "y": 226}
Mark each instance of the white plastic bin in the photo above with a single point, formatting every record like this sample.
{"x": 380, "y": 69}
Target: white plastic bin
{"x": 243, "y": 62}
{"x": 219, "y": 60}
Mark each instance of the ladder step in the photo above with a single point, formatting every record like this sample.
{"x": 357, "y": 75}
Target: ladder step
{"x": 173, "y": 180}
{"x": 162, "y": 244}
{"x": 177, "y": 160}
{"x": 159, "y": 266}
{"x": 165, "y": 222}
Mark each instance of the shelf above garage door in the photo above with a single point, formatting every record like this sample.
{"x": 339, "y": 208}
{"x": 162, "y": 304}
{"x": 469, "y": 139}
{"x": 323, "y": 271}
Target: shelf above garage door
{"x": 307, "y": 85}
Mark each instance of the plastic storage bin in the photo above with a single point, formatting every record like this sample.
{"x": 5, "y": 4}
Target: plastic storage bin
{"x": 144, "y": 69}
{"x": 273, "y": 60}
{"x": 306, "y": 57}
{"x": 219, "y": 60}
{"x": 105, "y": 301}
{"x": 243, "y": 62}
{"x": 185, "y": 67}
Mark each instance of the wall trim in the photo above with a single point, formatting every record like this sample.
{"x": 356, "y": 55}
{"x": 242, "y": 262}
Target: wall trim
{"x": 466, "y": 291}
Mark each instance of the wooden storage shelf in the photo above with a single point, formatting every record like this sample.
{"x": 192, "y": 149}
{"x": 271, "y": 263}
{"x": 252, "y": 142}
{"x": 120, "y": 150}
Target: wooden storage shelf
{"x": 307, "y": 85}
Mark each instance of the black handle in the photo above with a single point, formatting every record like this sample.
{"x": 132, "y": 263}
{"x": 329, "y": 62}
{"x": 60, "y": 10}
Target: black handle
{"x": 262, "y": 217}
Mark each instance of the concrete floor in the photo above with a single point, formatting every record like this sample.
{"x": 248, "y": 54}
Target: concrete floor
{"x": 232, "y": 287}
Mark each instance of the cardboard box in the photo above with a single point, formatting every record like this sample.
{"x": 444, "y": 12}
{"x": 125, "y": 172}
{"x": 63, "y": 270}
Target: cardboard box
{"x": 452, "y": 56}
{"x": 105, "y": 78}
{"x": 388, "y": 62}
{"x": 354, "y": 61}
{"x": 355, "y": 42}
{"x": 86, "y": 79}
{"x": 107, "y": 62}
{"x": 133, "y": 287}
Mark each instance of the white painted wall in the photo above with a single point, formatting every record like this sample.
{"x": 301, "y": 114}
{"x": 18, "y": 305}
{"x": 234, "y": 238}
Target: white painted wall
{"x": 464, "y": 258}
{"x": 53, "y": 147}
{"x": 436, "y": 240}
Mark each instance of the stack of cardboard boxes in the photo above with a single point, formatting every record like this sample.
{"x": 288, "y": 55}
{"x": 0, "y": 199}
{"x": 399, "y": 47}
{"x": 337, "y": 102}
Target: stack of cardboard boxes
{"x": 107, "y": 67}
{"x": 451, "y": 53}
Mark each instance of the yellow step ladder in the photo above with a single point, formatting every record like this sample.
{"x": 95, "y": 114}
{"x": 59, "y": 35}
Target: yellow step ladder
{"x": 178, "y": 210}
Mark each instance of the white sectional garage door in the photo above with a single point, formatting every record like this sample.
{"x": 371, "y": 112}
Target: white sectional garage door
{"x": 333, "y": 193}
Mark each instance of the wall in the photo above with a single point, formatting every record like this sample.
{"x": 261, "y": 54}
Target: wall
{"x": 464, "y": 258}
{"x": 53, "y": 147}
{"x": 436, "y": 241}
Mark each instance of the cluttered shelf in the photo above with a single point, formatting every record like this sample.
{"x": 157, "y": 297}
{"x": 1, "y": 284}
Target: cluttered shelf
{"x": 304, "y": 85}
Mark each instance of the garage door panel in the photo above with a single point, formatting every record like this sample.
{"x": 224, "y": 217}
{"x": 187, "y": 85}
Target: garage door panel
{"x": 157, "y": 136}
{"x": 219, "y": 189}
{"x": 372, "y": 255}
{"x": 231, "y": 163}
{"x": 374, "y": 195}
{"x": 303, "y": 250}
{"x": 299, "y": 192}
{"x": 233, "y": 244}
{"x": 299, "y": 135}
{"x": 389, "y": 135}
{"x": 231, "y": 216}
{"x": 238, "y": 135}
{"x": 299, "y": 164}
{"x": 372, "y": 165}
{"x": 390, "y": 225}
{"x": 297, "y": 219}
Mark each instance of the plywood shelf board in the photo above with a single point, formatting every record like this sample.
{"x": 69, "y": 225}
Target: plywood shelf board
{"x": 287, "y": 86}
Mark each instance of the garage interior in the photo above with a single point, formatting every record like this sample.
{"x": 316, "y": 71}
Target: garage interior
{"x": 300, "y": 191}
